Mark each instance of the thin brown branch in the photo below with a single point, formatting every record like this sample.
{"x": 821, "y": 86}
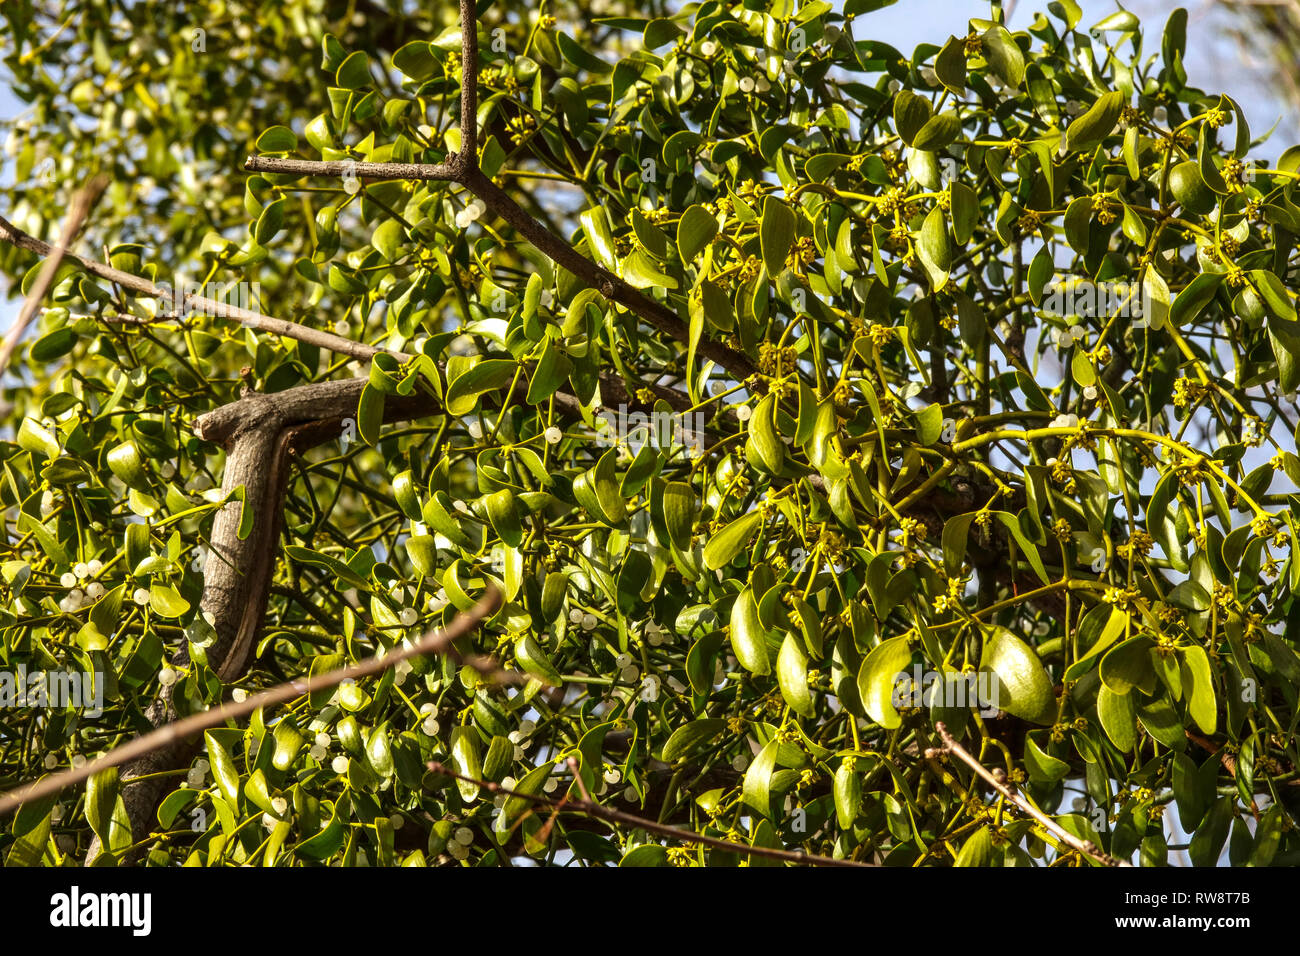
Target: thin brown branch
{"x": 434, "y": 642}
{"x": 588, "y": 807}
{"x": 1086, "y": 847}
{"x": 77, "y": 213}
{"x": 467, "y": 158}
{"x": 183, "y": 303}
{"x": 438, "y": 172}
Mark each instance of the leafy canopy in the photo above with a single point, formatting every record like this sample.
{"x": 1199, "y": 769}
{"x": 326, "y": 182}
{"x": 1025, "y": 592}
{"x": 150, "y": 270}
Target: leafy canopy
{"x": 1021, "y": 317}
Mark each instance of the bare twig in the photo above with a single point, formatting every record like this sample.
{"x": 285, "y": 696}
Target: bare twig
{"x": 184, "y": 303}
{"x": 467, "y": 158}
{"x": 77, "y": 213}
{"x": 588, "y": 807}
{"x": 434, "y": 642}
{"x": 1086, "y": 847}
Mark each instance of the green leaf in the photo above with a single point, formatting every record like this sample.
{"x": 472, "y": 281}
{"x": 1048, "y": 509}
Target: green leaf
{"x": 101, "y": 800}
{"x": 1088, "y": 130}
{"x": 1194, "y": 298}
{"x": 370, "y": 413}
{"x": 977, "y": 850}
{"x": 1198, "y": 684}
{"x": 1118, "y": 715}
{"x": 354, "y": 72}
{"x": 938, "y": 132}
{"x": 728, "y": 542}
{"x": 223, "y": 769}
{"x": 792, "y": 676}
{"x": 1128, "y": 665}
{"x": 1004, "y": 55}
{"x": 877, "y": 677}
{"x": 765, "y": 450}
{"x": 277, "y": 139}
{"x": 36, "y": 438}
{"x": 125, "y": 461}
{"x": 691, "y": 737}
{"x": 847, "y": 791}
{"x": 551, "y": 372}
{"x": 695, "y": 231}
{"x": 776, "y": 234}
{"x": 965, "y": 212}
{"x": 465, "y": 761}
{"x": 679, "y": 513}
{"x": 747, "y": 634}
{"x": 165, "y": 601}
{"x": 1022, "y": 687}
{"x": 950, "y": 66}
{"x": 463, "y": 391}
{"x": 911, "y": 113}
{"x": 597, "y": 491}
{"x": 387, "y": 237}
{"x": 756, "y": 787}
{"x": 416, "y": 60}
{"x": 934, "y": 248}
{"x": 600, "y": 239}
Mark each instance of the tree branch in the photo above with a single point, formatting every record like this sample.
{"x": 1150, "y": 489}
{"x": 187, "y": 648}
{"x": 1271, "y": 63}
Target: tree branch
{"x": 1086, "y": 847}
{"x": 77, "y": 213}
{"x": 434, "y": 642}
{"x": 588, "y": 807}
{"x": 185, "y": 303}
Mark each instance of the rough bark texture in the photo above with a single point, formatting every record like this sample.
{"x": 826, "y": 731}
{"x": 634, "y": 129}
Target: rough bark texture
{"x": 259, "y": 434}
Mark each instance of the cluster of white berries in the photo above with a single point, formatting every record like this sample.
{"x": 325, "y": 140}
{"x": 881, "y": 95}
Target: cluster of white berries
{"x": 320, "y": 747}
{"x": 77, "y": 596}
{"x": 649, "y": 689}
{"x": 198, "y": 774}
{"x": 749, "y": 84}
{"x": 1070, "y": 335}
{"x": 655, "y": 635}
{"x": 1065, "y": 421}
{"x": 587, "y": 622}
{"x": 470, "y": 213}
{"x": 627, "y": 671}
{"x": 458, "y": 845}
{"x": 430, "y": 725}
